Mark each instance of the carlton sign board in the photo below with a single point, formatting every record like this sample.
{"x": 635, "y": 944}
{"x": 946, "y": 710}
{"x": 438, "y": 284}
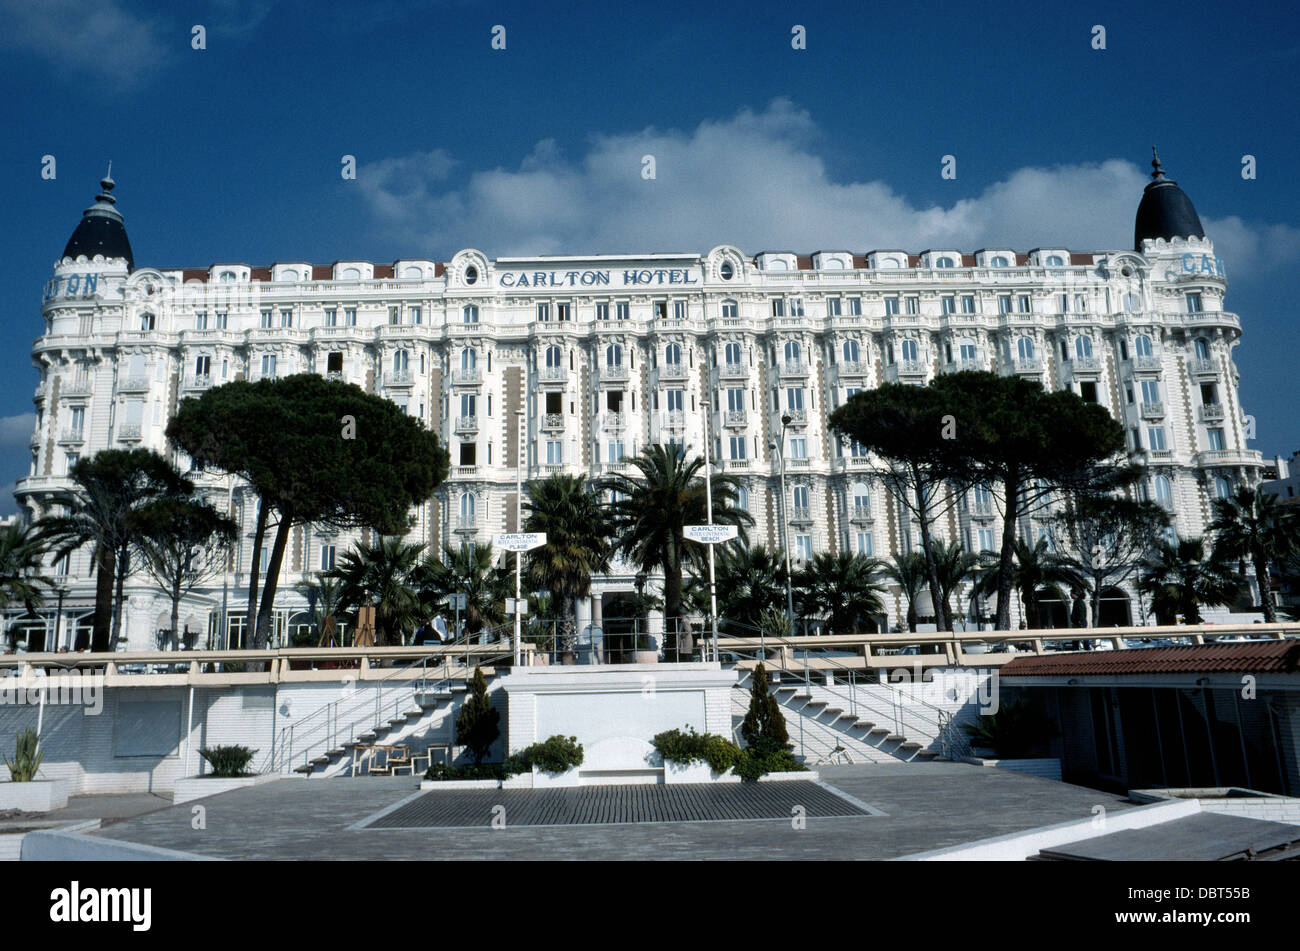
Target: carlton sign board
{"x": 521, "y": 541}
{"x": 709, "y": 534}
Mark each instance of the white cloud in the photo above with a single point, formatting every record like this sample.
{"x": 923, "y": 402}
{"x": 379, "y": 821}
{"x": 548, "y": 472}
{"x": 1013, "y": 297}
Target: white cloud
{"x": 101, "y": 40}
{"x": 15, "y": 431}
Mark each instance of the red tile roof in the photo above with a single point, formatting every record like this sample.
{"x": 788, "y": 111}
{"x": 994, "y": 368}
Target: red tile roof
{"x": 322, "y": 272}
{"x": 1281, "y": 657}
{"x": 383, "y": 271}
{"x": 259, "y": 274}
{"x": 1077, "y": 258}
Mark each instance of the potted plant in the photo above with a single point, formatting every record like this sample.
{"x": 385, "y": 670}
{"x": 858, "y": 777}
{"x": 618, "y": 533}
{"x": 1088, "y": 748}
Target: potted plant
{"x": 24, "y": 791}
{"x": 229, "y": 771}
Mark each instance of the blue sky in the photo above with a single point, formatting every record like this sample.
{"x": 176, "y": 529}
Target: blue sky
{"x": 233, "y": 153}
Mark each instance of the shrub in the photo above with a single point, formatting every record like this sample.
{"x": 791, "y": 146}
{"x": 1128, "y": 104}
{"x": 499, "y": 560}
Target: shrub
{"x": 756, "y": 761}
{"x": 1016, "y": 730}
{"x": 477, "y": 724}
{"x": 27, "y": 757}
{"x": 228, "y": 761}
{"x": 690, "y": 747}
{"x": 763, "y": 720}
{"x": 553, "y": 755}
{"x": 442, "y": 772}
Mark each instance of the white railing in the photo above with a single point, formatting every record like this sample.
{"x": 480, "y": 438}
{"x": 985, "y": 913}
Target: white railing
{"x": 674, "y": 421}
{"x": 792, "y": 368}
{"x": 553, "y": 421}
{"x": 398, "y": 378}
{"x": 854, "y": 368}
{"x": 466, "y": 424}
{"x": 613, "y": 422}
{"x": 72, "y": 435}
{"x": 1201, "y": 366}
{"x": 129, "y": 431}
{"x": 1154, "y": 409}
{"x": 466, "y": 375}
{"x": 733, "y": 371}
{"x": 552, "y": 374}
{"x": 1146, "y": 362}
{"x": 734, "y": 417}
{"x": 1210, "y": 413}
{"x": 133, "y": 384}
{"x": 198, "y": 382}
{"x": 672, "y": 371}
{"x": 619, "y": 372}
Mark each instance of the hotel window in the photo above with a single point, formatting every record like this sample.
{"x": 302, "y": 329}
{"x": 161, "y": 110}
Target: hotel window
{"x": 554, "y": 452}
{"x": 1223, "y": 488}
{"x": 968, "y": 305}
{"x": 1080, "y": 304}
{"x": 673, "y": 399}
{"x": 891, "y": 306}
{"x": 1004, "y": 303}
{"x": 792, "y": 352}
{"x": 799, "y": 448}
{"x": 944, "y": 262}
{"x": 554, "y": 404}
{"x": 1194, "y": 303}
{"x": 268, "y": 365}
{"x": 732, "y": 355}
{"x": 794, "y": 398}
{"x": 1054, "y": 260}
{"x": 469, "y": 313}
{"x": 614, "y": 355}
{"x": 737, "y": 445}
{"x": 800, "y": 494}
{"x": 855, "y": 306}
{"x": 1022, "y": 304}
{"x": 602, "y": 312}
{"x": 735, "y": 400}
{"x": 1131, "y": 303}
{"x": 554, "y": 357}
{"x": 679, "y": 309}
{"x": 778, "y": 307}
{"x": 803, "y": 547}
{"x": 985, "y": 536}
{"x": 543, "y": 311}
{"x": 913, "y": 305}
{"x": 796, "y": 307}
{"x": 615, "y": 451}
{"x": 967, "y": 353}
{"x": 394, "y": 316}
{"x": 401, "y": 361}
{"x": 202, "y": 366}
{"x": 1142, "y": 345}
{"x": 331, "y": 317}
{"x": 468, "y": 405}
{"x": 863, "y": 544}
{"x": 1215, "y": 435}
{"x": 350, "y": 316}
{"x": 1025, "y": 348}
{"x": 1063, "y": 303}
{"x": 1082, "y": 347}
{"x": 742, "y": 498}
{"x": 201, "y": 320}
{"x": 998, "y": 261}
{"x": 861, "y": 497}
{"x": 417, "y": 315}
{"x": 327, "y": 555}
{"x": 562, "y": 311}
{"x": 1164, "y": 493}
{"x": 620, "y": 311}
{"x": 1156, "y": 439}
{"x": 468, "y": 454}
{"x": 1202, "y": 348}
{"x": 264, "y": 560}
{"x": 950, "y": 305}
{"x": 334, "y": 362}
{"x": 146, "y": 321}
{"x": 832, "y": 307}
{"x": 72, "y": 459}
{"x": 221, "y": 320}
{"x": 266, "y": 320}
{"x": 660, "y": 309}
{"x": 857, "y": 450}
{"x": 286, "y": 318}
{"x": 672, "y": 355}
{"x": 909, "y": 351}
{"x": 1150, "y": 391}
{"x": 851, "y": 351}
{"x": 78, "y": 418}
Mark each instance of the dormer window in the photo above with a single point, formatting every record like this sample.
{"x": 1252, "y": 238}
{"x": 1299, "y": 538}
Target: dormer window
{"x": 146, "y": 321}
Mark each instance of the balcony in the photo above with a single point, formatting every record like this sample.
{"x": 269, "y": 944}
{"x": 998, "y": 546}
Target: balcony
{"x": 671, "y": 371}
{"x": 335, "y": 376}
{"x": 906, "y": 371}
{"x": 130, "y": 432}
{"x": 466, "y": 376}
{"x": 793, "y": 368}
{"x": 466, "y": 424}
{"x": 673, "y": 422}
{"x": 203, "y": 382}
{"x": 553, "y": 422}
{"x": 1152, "y": 410}
{"x": 464, "y": 472}
{"x": 1202, "y": 368}
{"x": 853, "y": 368}
{"x": 861, "y": 513}
{"x": 466, "y": 525}
{"x": 1229, "y": 457}
{"x": 552, "y": 374}
{"x": 982, "y": 510}
{"x": 735, "y": 418}
{"x": 1026, "y": 366}
{"x": 399, "y": 378}
{"x": 1145, "y": 363}
{"x": 961, "y": 364}
{"x": 132, "y": 384}
{"x": 1210, "y": 413}
{"x": 798, "y": 417}
{"x": 733, "y": 371}
{"x": 72, "y": 436}
{"x": 613, "y": 422}
{"x": 81, "y": 388}
{"x": 800, "y": 515}
{"x": 613, "y": 374}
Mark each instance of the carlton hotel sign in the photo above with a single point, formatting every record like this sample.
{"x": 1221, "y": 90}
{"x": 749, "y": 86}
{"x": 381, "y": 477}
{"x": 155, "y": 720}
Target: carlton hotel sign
{"x": 605, "y": 277}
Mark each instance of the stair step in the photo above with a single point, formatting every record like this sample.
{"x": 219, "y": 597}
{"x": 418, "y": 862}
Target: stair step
{"x": 779, "y": 689}
{"x": 338, "y": 751}
{"x": 926, "y": 754}
{"x": 894, "y": 738}
{"x": 834, "y": 710}
{"x": 879, "y": 729}
{"x": 864, "y": 724}
{"x": 321, "y": 761}
{"x": 414, "y": 713}
{"x": 815, "y": 703}
{"x": 909, "y": 745}
{"x": 304, "y": 769}
{"x": 366, "y": 737}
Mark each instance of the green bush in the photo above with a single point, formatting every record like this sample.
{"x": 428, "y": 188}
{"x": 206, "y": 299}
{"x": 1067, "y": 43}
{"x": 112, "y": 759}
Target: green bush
{"x": 441, "y": 772}
{"x": 690, "y": 747}
{"x": 477, "y": 723}
{"x": 228, "y": 761}
{"x": 27, "y": 757}
{"x": 763, "y": 720}
{"x": 1017, "y": 730}
{"x": 553, "y": 755}
{"x": 765, "y": 757}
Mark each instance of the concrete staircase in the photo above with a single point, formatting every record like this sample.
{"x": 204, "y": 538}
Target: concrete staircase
{"x": 866, "y": 723}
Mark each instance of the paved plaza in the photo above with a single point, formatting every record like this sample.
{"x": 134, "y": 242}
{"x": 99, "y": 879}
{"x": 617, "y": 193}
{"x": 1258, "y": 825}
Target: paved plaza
{"x": 909, "y": 808}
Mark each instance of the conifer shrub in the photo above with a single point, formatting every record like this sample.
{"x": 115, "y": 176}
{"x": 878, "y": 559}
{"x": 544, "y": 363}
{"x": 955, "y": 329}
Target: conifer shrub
{"x": 477, "y": 723}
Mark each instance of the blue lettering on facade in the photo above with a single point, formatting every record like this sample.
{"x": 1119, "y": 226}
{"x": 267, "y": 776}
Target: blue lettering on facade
{"x": 91, "y": 285}
{"x": 507, "y": 279}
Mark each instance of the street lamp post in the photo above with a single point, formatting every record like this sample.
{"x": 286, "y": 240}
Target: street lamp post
{"x": 225, "y": 574}
{"x": 785, "y": 525}
{"x": 520, "y": 448}
{"x": 708, "y": 503}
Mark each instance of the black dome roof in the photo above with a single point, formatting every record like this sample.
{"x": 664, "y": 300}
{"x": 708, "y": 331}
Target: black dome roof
{"x": 100, "y": 230}
{"x": 1165, "y": 210}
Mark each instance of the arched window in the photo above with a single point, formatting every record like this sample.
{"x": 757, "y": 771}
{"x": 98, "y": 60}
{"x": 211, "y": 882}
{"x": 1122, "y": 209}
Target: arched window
{"x": 1054, "y": 260}
{"x": 1142, "y": 345}
{"x": 1164, "y": 492}
{"x": 146, "y": 321}
{"x": 614, "y": 355}
{"x": 468, "y": 359}
{"x": 1222, "y": 488}
{"x": 1025, "y": 348}
{"x": 801, "y": 496}
{"x": 732, "y": 355}
{"x": 729, "y": 308}
{"x": 792, "y": 351}
{"x": 909, "y": 351}
{"x": 1131, "y": 303}
{"x": 890, "y": 262}
{"x": 998, "y": 261}
{"x": 1202, "y": 348}
{"x": 467, "y": 508}
{"x": 226, "y": 277}
{"x": 554, "y": 356}
{"x": 742, "y": 497}
{"x": 1082, "y": 347}
{"x": 470, "y": 313}
{"x": 401, "y": 360}
{"x": 944, "y": 262}
{"x": 351, "y": 274}
{"x": 851, "y": 351}
{"x": 861, "y": 496}
{"x": 672, "y": 355}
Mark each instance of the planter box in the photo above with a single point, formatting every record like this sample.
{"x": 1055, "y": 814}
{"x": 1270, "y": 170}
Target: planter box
{"x": 41, "y": 795}
{"x": 703, "y": 773}
{"x": 1045, "y": 767}
{"x": 200, "y": 787}
{"x": 555, "y": 780}
{"x": 460, "y": 784}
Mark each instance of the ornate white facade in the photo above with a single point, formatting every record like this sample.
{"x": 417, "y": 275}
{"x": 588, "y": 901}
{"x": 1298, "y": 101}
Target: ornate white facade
{"x": 601, "y": 355}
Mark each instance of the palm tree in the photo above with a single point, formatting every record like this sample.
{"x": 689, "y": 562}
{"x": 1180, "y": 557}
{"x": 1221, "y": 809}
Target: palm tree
{"x": 1250, "y": 524}
{"x": 910, "y": 573}
{"x": 578, "y": 529}
{"x": 383, "y": 575}
{"x": 21, "y": 560}
{"x": 1180, "y": 579}
{"x": 651, "y": 510}
{"x": 470, "y": 570}
{"x": 841, "y": 588}
{"x": 953, "y": 564}
{"x": 1036, "y": 568}
{"x": 325, "y": 602}
{"x": 748, "y": 580}
{"x": 111, "y": 490}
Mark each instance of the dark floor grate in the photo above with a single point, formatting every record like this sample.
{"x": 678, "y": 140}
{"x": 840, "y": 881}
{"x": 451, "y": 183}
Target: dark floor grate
{"x": 588, "y": 805}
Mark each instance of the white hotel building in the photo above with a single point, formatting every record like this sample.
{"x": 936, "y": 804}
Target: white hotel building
{"x": 604, "y": 354}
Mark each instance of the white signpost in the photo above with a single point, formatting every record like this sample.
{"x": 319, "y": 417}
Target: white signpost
{"x": 519, "y": 542}
{"x": 709, "y": 534}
